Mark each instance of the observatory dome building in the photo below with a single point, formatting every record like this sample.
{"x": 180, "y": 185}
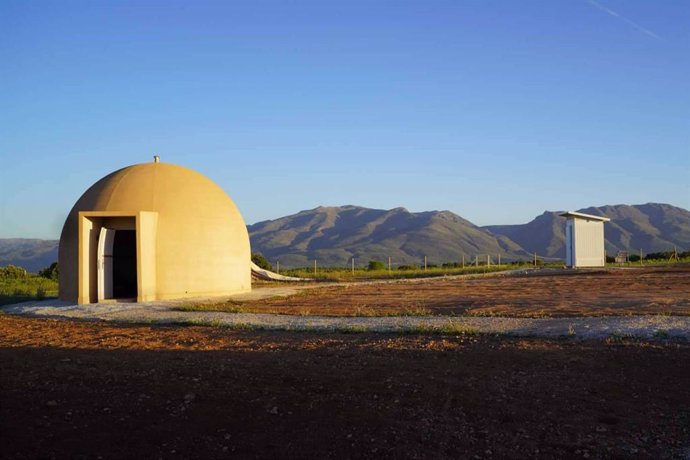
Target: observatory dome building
{"x": 153, "y": 231}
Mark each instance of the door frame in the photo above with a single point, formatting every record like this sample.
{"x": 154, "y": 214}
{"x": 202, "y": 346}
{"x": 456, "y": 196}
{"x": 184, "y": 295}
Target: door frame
{"x": 145, "y": 223}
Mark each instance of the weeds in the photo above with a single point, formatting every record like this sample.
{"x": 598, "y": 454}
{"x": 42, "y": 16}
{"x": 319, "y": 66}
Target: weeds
{"x": 661, "y": 334}
{"x": 450, "y": 328}
{"x": 354, "y": 329}
{"x": 31, "y": 287}
{"x": 231, "y": 306}
{"x": 346, "y": 274}
{"x": 623, "y": 338}
{"x": 240, "y": 326}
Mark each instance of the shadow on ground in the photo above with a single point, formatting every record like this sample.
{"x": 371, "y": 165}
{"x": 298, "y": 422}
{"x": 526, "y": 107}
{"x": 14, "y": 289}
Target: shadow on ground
{"x": 89, "y": 389}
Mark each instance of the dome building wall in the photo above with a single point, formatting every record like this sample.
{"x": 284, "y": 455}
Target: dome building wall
{"x": 191, "y": 239}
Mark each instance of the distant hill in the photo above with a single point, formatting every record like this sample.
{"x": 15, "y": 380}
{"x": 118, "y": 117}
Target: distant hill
{"x": 32, "y": 254}
{"x": 652, "y": 227}
{"x": 333, "y": 235}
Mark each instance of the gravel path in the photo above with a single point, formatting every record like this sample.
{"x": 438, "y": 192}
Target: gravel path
{"x": 161, "y": 313}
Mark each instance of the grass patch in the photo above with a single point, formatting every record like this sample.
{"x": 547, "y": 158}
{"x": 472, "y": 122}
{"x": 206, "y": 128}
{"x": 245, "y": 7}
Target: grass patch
{"x": 220, "y": 324}
{"x": 365, "y": 311}
{"x": 353, "y": 329}
{"x": 661, "y": 334}
{"x": 617, "y": 339}
{"x": 450, "y": 328}
{"x": 347, "y": 274}
{"x": 230, "y": 306}
{"x": 31, "y": 287}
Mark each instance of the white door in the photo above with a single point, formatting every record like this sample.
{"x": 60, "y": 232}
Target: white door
{"x": 569, "y": 244}
{"x": 105, "y": 263}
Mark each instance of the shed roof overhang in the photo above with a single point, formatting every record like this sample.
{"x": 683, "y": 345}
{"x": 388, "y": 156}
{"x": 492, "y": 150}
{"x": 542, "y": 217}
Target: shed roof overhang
{"x": 580, "y": 215}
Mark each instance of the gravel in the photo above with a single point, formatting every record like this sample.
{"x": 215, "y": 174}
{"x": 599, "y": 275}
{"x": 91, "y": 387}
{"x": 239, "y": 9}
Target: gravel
{"x": 648, "y": 326}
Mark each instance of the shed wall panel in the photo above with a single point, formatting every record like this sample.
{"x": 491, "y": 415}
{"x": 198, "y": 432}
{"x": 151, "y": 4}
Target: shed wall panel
{"x": 589, "y": 243}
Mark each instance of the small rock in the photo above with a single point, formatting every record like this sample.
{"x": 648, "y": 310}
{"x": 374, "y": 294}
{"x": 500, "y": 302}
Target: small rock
{"x": 51, "y": 403}
{"x": 273, "y": 410}
{"x": 189, "y": 397}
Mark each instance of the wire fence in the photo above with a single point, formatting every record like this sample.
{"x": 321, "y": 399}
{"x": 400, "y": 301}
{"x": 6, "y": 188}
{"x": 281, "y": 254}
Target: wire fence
{"x": 423, "y": 263}
{"x": 426, "y": 263}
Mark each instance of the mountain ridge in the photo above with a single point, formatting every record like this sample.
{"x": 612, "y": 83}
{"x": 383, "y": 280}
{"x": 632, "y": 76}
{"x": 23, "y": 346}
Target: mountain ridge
{"x": 334, "y": 234}
{"x": 650, "y": 227}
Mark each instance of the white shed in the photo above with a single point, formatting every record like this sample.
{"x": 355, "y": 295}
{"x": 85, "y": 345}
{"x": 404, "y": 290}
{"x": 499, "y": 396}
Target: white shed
{"x": 584, "y": 240}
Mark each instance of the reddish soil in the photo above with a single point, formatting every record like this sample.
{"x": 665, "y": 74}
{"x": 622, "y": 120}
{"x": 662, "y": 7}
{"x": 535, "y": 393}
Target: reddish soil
{"x": 99, "y": 390}
{"x": 608, "y": 292}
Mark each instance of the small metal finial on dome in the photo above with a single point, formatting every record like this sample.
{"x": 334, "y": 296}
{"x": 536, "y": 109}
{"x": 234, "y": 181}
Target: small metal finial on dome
{"x": 156, "y": 159}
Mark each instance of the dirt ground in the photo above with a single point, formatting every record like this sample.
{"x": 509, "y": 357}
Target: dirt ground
{"x": 101, "y": 390}
{"x": 608, "y": 292}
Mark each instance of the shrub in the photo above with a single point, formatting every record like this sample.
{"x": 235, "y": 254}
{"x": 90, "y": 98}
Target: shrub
{"x": 407, "y": 267}
{"x": 261, "y": 261}
{"x": 13, "y": 272}
{"x": 50, "y": 272}
{"x": 376, "y": 265}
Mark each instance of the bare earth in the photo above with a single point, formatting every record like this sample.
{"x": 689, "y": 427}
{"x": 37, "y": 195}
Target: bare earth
{"x": 650, "y": 291}
{"x": 90, "y": 390}
{"x": 94, "y": 389}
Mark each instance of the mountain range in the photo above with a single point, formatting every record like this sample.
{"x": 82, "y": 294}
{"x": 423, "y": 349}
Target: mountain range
{"x": 333, "y": 235}
{"x": 31, "y": 254}
{"x": 651, "y": 227}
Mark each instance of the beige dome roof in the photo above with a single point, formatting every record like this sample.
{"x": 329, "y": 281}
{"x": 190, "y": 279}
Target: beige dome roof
{"x": 201, "y": 240}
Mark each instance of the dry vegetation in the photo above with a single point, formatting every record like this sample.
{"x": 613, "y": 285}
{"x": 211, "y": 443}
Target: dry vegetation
{"x": 607, "y": 292}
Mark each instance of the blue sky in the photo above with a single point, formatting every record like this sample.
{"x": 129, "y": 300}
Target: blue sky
{"x": 495, "y": 110}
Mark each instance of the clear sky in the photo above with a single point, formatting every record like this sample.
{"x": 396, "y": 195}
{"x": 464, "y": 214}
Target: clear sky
{"x": 495, "y": 110}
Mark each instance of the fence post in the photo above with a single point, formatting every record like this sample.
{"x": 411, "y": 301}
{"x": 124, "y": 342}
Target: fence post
{"x": 488, "y": 261}
{"x": 499, "y": 259}
{"x": 389, "y": 265}
{"x": 278, "y": 267}
{"x": 314, "y": 267}
{"x": 535, "y": 259}
{"x": 641, "y": 256}
{"x": 353, "y": 266}
{"x": 424, "y": 263}
{"x": 463, "y": 261}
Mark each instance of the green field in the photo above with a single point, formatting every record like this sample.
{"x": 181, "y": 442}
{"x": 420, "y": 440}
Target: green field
{"x": 347, "y": 274}
{"x": 32, "y": 287}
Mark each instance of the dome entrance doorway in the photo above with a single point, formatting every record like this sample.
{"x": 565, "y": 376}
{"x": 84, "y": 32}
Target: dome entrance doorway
{"x": 117, "y": 253}
{"x": 117, "y": 265}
